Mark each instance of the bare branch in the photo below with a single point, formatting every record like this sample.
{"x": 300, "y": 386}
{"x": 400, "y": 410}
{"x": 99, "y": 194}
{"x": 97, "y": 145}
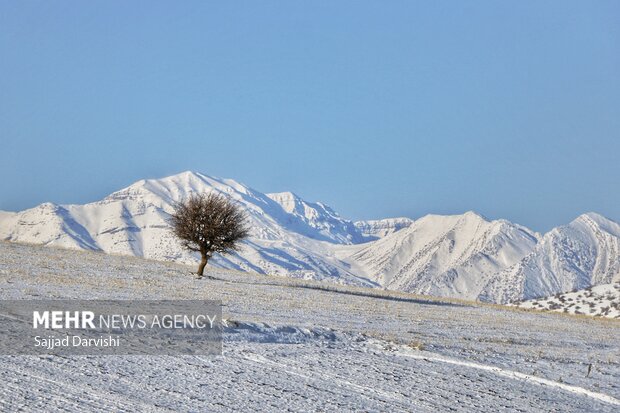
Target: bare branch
{"x": 209, "y": 224}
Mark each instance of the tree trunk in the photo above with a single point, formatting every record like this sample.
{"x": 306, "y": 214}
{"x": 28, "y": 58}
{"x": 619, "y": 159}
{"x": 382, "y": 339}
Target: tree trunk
{"x": 203, "y": 264}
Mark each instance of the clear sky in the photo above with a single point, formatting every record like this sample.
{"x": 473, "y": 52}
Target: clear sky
{"x": 508, "y": 108}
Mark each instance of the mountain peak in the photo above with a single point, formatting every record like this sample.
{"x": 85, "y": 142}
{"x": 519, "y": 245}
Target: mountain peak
{"x": 596, "y": 217}
{"x": 474, "y": 214}
{"x": 467, "y": 217}
{"x": 602, "y": 222}
{"x": 185, "y": 176}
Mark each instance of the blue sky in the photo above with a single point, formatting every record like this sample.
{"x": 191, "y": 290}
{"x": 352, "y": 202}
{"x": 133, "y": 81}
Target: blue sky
{"x": 379, "y": 109}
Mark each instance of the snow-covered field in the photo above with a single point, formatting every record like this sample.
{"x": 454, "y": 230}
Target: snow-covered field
{"x": 599, "y": 301}
{"x": 306, "y": 346}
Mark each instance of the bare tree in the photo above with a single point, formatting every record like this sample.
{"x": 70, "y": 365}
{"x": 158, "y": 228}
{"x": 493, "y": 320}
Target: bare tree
{"x": 209, "y": 224}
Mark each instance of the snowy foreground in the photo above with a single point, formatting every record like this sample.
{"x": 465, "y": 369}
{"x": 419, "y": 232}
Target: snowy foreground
{"x": 307, "y": 346}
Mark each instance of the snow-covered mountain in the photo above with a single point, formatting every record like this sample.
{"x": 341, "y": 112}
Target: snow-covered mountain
{"x": 317, "y": 216}
{"x": 289, "y": 236}
{"x": 455, "y": 256}
{"x": 465, "y": 256}
{"x": 379, "y": 228}
{"x": 584, "y": 253}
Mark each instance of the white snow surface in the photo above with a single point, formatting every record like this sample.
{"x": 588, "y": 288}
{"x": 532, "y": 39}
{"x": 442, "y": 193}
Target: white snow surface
{"x": 453, "y": 256}
{"x": 464, "y": 256}
{"x": 294, "y": 345}
{"x": 318, "y": 216}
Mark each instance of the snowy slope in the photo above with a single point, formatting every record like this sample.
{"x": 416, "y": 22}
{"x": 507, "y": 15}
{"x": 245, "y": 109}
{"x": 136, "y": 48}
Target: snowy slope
{"x": 454, "y": 256}
{"x": 293, "y": 345}
{"x": 317, "y": 216}
{"x": 45, "y": 224}
{"x": 599, "y": 301}
{"x": 583, "y": 253}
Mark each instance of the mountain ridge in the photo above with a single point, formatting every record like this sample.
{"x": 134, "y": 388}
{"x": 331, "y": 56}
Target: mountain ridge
{"x": 463, "y": 256}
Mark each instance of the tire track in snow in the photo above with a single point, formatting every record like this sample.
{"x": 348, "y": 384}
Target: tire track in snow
{"x": 511, "y": 374}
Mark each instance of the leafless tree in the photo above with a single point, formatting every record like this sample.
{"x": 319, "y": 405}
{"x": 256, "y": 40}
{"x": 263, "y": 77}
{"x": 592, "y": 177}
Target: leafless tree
{"x": 209, "y": 224}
